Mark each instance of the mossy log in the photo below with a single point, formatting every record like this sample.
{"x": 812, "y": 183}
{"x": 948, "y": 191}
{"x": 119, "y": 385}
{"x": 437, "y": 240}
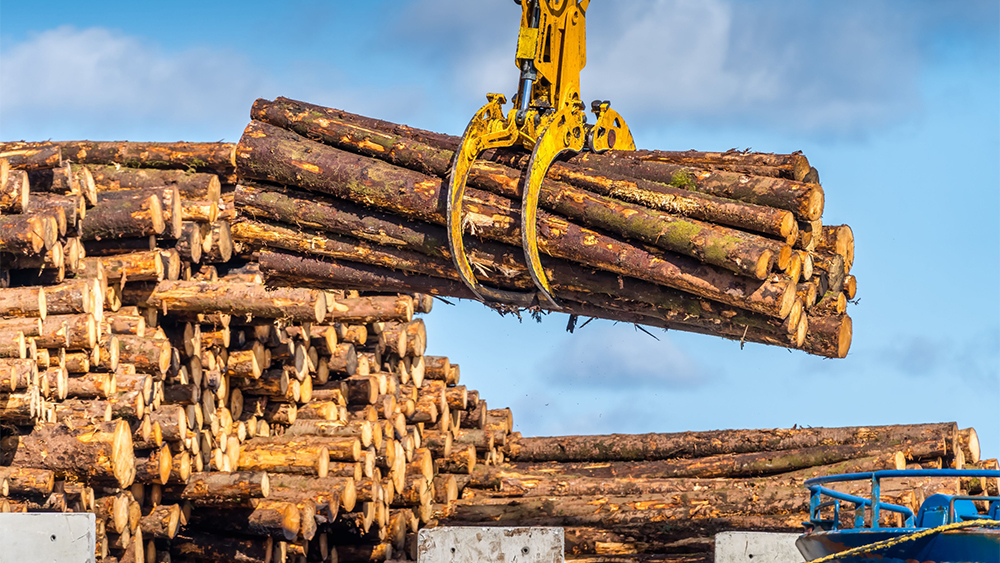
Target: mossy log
{"x": 504, "y": 267}
{"x": 804, "y": 199}
{"x": 692, "y": 314}
{"x": 793, "y": 166}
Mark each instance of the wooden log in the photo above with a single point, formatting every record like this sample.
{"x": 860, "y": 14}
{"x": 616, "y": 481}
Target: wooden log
{"x": 624, "y": 516}
{"x": 338, "y": 448}
{"x": 556, "y": 237}
{"x": 64, "y": 180}
{"x": 214, "y": 547}
{"x": 191, "y": 185}
{"x": 148, "y": 355}
{"x": 22, "y": 234}
{"x": 562, "y": 273}
{"x": 76, "y": 332}
{"x": 81, "y": 295}
{"x": 154, "y": 468}
{"x": 332, "y": 493}
{"x": 830, "y": 335}
{"x": 14, "y": 192}
{"x": 792, "y": 166}
{"x": 639, "y": 447}
{"x": 220, "y": 247}
{"x": 102, "y": 452}
{"x": 20, "y": 373}
{"x": 162, "y": 521}
{"x": 30, "y": 156}
{"x": 968, "y": 442}
{"x": 28, "y": 480}
{"x": 232, "y": 298}
{"x": 189, "y": 243}
{"x": 299, "y": 460}
{"x": 208, "y": 157}
{"x": 125, "y": 217}
{"x": 136, "y": 266}
{"x": 734, "y": 465}
{"x": 277, "y": 519}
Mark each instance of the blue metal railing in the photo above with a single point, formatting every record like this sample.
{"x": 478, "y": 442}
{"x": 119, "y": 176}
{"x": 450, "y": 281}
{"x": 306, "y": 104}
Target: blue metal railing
{"x": 818, "y": 491}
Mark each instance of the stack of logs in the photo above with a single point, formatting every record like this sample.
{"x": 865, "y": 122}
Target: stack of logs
{"x": 727, "y": 244}
{"x": 199, "y": 414}
{"x": 662, "y": 497}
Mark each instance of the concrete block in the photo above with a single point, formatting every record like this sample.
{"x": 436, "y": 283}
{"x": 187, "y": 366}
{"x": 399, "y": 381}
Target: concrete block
{"x": 756, "y": 547}
{"x": 47, "y": 538}
{"x": 476, "y": 544}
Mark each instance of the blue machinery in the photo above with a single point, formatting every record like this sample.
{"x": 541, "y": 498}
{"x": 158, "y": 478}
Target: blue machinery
{"x": 946, "y": 528}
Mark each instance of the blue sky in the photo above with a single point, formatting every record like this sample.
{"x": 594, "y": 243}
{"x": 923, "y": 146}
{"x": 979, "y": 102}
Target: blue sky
{"x": 896, "y": 103}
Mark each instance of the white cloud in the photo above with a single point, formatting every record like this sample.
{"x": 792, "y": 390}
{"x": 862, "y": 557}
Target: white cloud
{"x": 103, "y": 78}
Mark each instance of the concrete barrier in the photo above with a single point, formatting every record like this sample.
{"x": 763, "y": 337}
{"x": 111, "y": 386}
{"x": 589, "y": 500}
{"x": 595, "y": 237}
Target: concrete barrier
{"x": 756, "y": 547}
{"x": 48, "y": 537}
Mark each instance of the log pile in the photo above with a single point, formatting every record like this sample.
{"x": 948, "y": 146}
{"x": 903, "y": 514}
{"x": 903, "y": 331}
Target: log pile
{"x": 200, "y": 414}
{"x": 662, "y": 497}
{"x": 727, "y": 244}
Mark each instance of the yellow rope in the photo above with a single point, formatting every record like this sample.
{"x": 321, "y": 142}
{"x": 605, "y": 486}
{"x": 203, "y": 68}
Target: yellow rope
{"x": 872, "y": 547}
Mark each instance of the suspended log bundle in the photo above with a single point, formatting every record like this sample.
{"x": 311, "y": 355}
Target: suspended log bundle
{"x": 702, "y": 242}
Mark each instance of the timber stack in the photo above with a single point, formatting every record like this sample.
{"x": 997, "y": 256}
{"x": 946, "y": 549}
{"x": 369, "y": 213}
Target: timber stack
{"x": 663, "y": 497}
{"x": 726, "y": 244}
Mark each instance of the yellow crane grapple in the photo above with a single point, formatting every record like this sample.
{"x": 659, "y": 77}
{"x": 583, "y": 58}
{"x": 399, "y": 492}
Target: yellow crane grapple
{"x": 547, "y": 118}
